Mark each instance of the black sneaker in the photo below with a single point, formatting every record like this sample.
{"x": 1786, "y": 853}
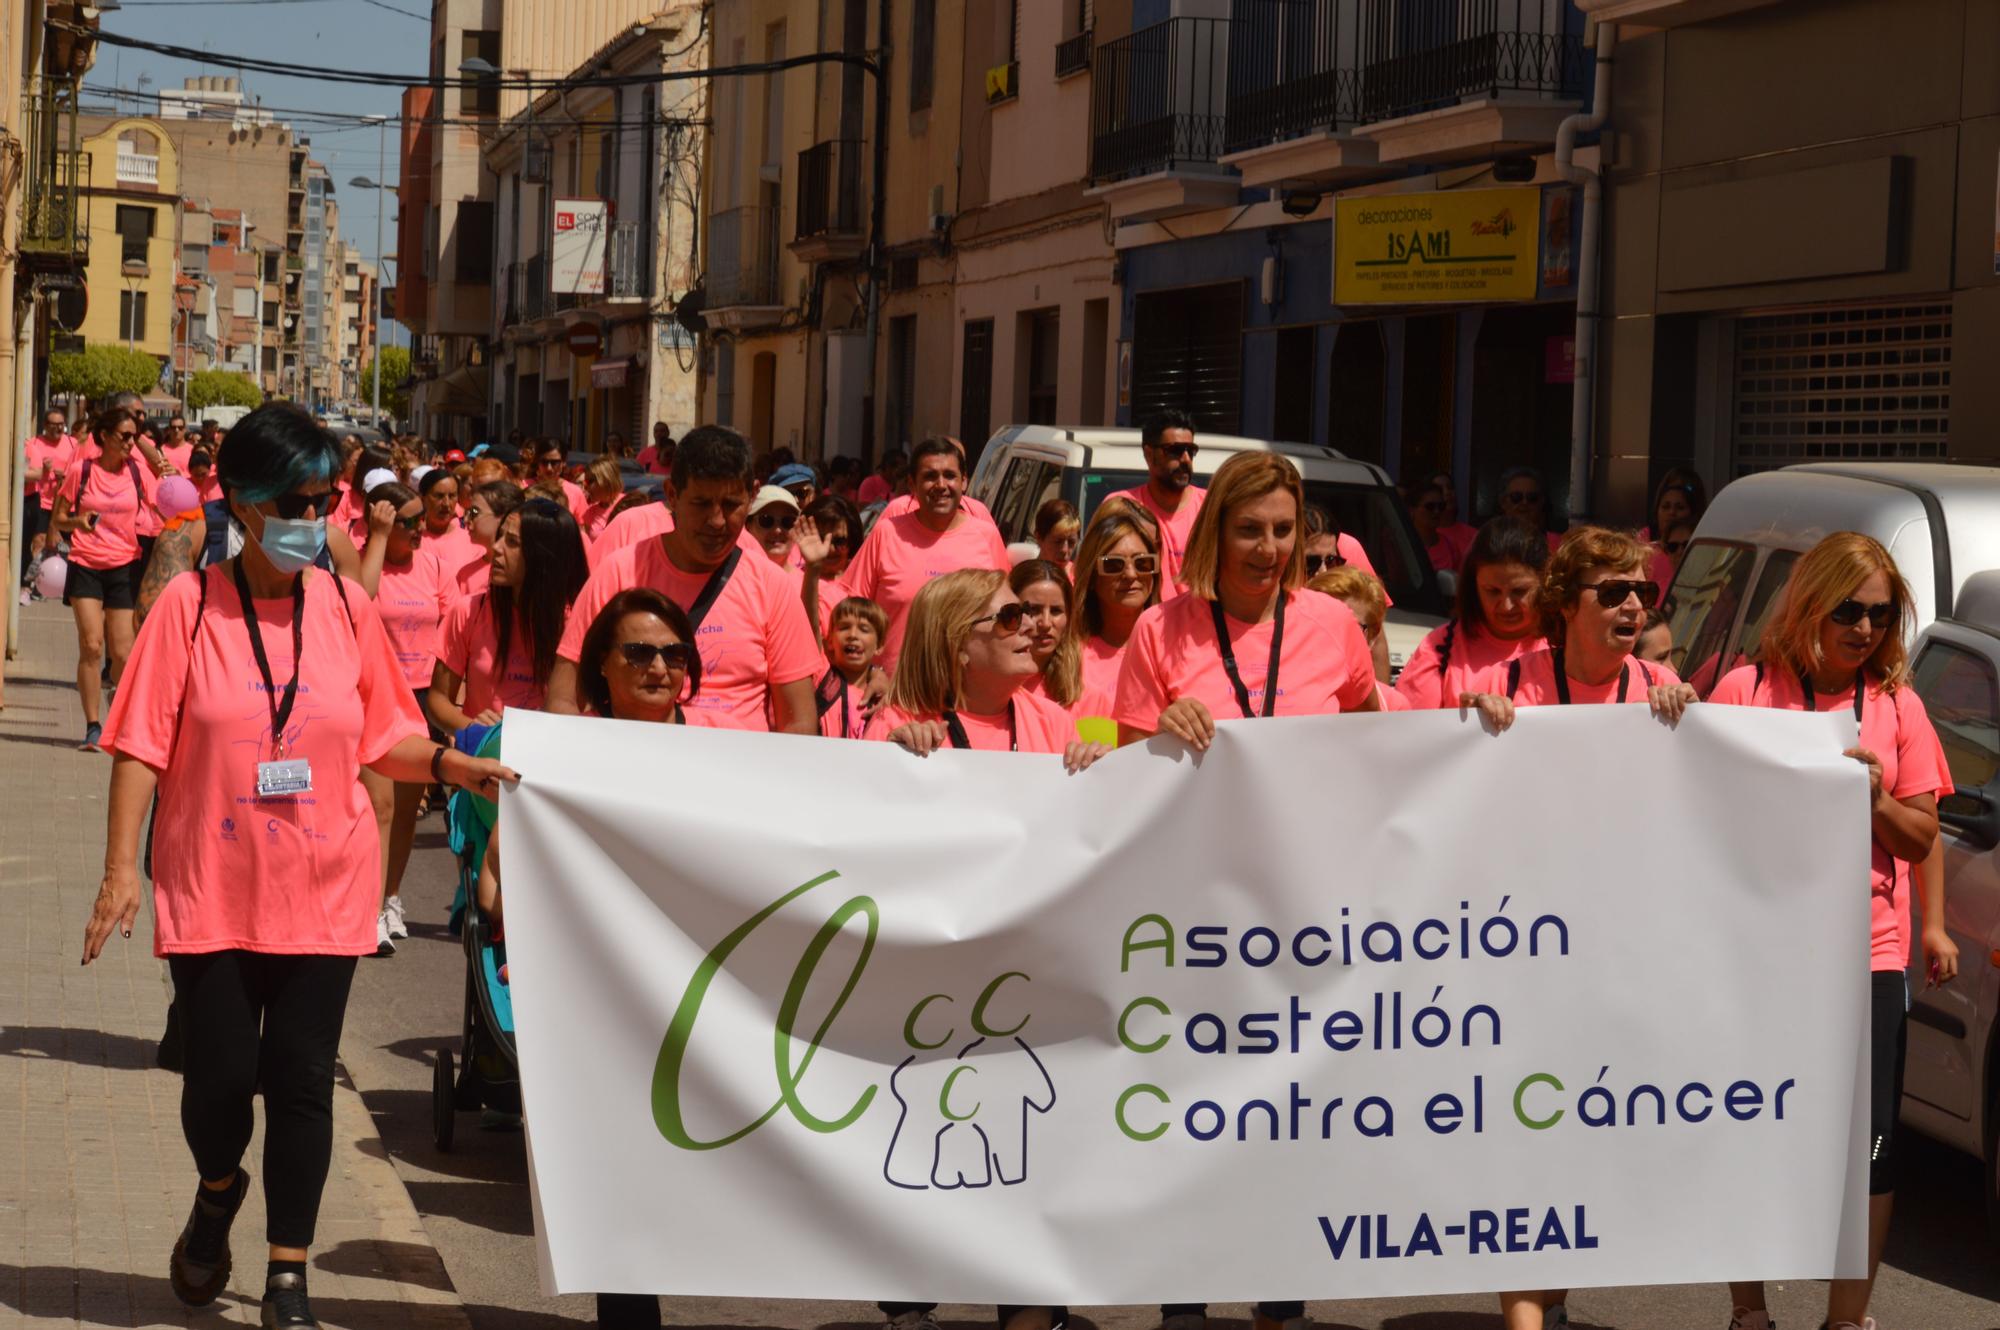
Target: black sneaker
{"x": 286, "y": 1306}
{"x": 93, "y": 734}
{"x": 199, "y": 1270}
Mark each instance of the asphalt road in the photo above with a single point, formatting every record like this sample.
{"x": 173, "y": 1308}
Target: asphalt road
{"x": 1942, "y": 1270}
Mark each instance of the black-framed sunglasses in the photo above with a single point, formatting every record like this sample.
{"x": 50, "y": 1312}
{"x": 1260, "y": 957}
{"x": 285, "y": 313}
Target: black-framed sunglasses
{"x": 1521, "y": 498}
{"x": 1611, "y": 592}
{"x": 1007, "y": 621}
{"x": 1850, "y": 612}
{"x": 1181, "y": 450}
{"x": 473, "y": 513}
{"x": 771, "y": 521}
{"x": 292, "y": 507}
{"x": 1673, "y": 547}
{"x": 1115, "y": 565}
{"x": 641, "y": 655}
{"x": 1433, "y": 505}
{"x": 413, "y": 525}
{"x": 841, "y": 541}
{"x": 544, "y": 463}
{"x": 1323, "y": 563}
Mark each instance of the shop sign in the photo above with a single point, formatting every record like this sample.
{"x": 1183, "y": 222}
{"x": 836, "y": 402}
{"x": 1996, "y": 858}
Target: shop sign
{"x": 576, "y": 252}
{"x": 1454, "y": 247}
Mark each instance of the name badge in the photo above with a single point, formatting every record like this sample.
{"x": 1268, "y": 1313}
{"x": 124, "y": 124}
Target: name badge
{"x": 294, "y": 776}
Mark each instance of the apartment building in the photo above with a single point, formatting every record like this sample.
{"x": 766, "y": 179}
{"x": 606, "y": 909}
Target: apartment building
{"x": 132, "y": 207}
{"x": 599, "y": 191}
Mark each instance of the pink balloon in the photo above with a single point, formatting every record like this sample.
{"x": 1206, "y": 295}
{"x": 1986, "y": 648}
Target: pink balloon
{"x": 53, "y": 577}
{"x": 178, "y": 495}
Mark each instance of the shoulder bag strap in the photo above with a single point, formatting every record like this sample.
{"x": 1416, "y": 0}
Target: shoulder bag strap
{"x": 716, "y": 581}
{"x": 1513, "y": 677}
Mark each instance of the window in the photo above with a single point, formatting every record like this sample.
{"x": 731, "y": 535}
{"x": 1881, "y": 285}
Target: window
{"x": 1963, "y": 698}
{"x": 271, "y": 266}
{"x": 1019, "y": 494}
{"x": 475, "y": 243}
{"x": 975, "y": 392}
{"x": 482, "y": 94}
{"x": 901, "y": 410}
{"x": 1763, "y": 603}
{"x": 725, "y": 385}
{"x": 1707, "y": 594}
{"x": 132, "y": 315}
{"x": 135, "y": 232}
{"x": 1044, "y": 367}
{"x": 923, "y": 53}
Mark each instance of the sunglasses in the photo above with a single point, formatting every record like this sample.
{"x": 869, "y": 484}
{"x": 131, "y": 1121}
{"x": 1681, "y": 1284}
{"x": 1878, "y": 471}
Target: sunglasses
{"x": 1850, "y": 612}
{"x": 1007, "y": 621}
{"x": 777, "y": 521}
{"x": 473, "y": 513}
{"x": 413, "y": 525}
{"x": 292, "y": 507}
{"x": 1611, "y": 593}
{"x": 1181, "y": 450}
{"x": 641, "y": 655}
{"x": 1518, "y": 498}
{"x": 1115, "y": 565}
{"x": 841, "y": 541}
{"x": 1319, "y": 563}
{"x": 1673, "y": 546}
{"x": 546, "y": 462}
{"x": 1433, "y": 505}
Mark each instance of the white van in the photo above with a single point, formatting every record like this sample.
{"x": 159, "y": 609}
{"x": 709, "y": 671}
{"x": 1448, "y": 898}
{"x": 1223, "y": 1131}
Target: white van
{"x": 1023, "y": 466}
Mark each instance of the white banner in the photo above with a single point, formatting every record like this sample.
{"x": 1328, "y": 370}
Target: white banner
{"x": 577, "y": 247}
{"x": 1353, "y": 1006}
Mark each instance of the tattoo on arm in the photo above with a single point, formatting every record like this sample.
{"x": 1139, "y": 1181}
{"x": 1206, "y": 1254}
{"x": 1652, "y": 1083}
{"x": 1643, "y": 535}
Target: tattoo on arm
{"x": 173, "y": 554}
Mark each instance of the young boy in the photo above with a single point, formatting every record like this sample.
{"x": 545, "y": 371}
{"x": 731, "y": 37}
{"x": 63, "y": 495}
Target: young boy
{"x": 855, "y": 632}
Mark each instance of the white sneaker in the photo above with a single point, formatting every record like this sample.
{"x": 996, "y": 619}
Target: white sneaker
{"x": 392, "y": 910}
{"x": 1867, "y": 1323}
{"x": 1747, "y": 1320}
{"x": 383, "y": 946}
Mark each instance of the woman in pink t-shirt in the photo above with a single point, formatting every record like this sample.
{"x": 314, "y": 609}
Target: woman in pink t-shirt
{"x": 1242, "y": 642}
{"x": 1496, "y": 616}
{"x": 444, "y": 535}
{"x": 97, "y": 510}
{"x": 1045, "y": 595}
{"x": 962, "y": 681}
{"x": 500, "y": 646}
{"x": 1838, "y": 645}
{"x": 259, "y": 688}
{"x": 491, "y": 504}
{"x": 825, "y": 538}
{"x": 1118, "y": 579}
{"x": 1363, "y": 594}
{"x": 604, "y": 486}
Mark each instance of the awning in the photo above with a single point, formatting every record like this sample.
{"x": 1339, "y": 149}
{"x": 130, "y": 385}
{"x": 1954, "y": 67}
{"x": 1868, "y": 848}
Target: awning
{"x": 610, "y": 373}
{"x": 463, "y": 392}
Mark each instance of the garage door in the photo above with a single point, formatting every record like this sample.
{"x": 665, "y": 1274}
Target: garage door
{"x": 1858, "y": 382}
{"x": 1187, "y": 352}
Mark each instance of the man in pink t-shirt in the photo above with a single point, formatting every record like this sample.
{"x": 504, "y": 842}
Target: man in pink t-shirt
{"x": 175, "y": 445}
{"x": 43, "y": 476}
{"x": 759, "y": 659}
{"x": 938, "y": 536}
{"x": 1169, "y": 493}
{"x": 657, "y": 457}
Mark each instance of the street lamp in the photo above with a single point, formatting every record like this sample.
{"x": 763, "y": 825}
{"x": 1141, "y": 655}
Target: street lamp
{"x": 381, "y": 206}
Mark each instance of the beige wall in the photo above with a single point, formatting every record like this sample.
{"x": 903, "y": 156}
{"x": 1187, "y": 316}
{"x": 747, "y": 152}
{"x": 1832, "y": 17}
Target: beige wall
{"x": 552, "y": 37}
{"x": 1041, "y": 139}
{"x": 106, "y": 279}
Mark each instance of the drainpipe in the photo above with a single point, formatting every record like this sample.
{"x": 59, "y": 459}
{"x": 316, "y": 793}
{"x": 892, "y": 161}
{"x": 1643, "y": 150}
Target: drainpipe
{"x": 1583, "y": 392}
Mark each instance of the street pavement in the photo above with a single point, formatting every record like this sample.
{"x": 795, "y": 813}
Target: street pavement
{"x": 411, "y": 1236}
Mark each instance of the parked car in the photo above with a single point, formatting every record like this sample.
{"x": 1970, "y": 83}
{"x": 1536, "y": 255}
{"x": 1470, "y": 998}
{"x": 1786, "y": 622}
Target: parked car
{"x": 1023, "y": 466}
{"x": 1951, "y": 1086}
{"x": 1942, "y": 524}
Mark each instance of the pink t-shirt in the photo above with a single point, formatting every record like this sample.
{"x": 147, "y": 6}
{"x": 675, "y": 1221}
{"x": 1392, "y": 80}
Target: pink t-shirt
{"x": 1101, "y": 661}
{"x": 1537, "y": 686}
{"x": 579, "y": 502}
{"x": 412, "y": 599}
{"x": 453, "y": 550}
{"x": 55, "y": 452}
{"x": 1089, "y": 702}
{"x": 873, "y": 489}
{"x": 629, "y": 528}
{"x": 1454, "y": 543}
{"x": 901, "y": 555}
{"x": 292, "y": 874}
{"x": 1324, "y": 667}
{"x": 1390, "y": 699}
{"x": 470, "y": 648}
{"x": 754, "y": 638}
{"x": 1473, "y": 653}
{"x": 1898, "y": 730}
{"x": 1175, "y": 528}
{"x": 471, "y": 579}
{"x": 904, "y": 504}
{"x": 593, "y": 519}
{"x": 178, "y": 454}
{"x": 118, "y": 497}
{"x": 210, "y": 489}
{"x": 1034, "y": 725}
{"x": 842, "y": 719}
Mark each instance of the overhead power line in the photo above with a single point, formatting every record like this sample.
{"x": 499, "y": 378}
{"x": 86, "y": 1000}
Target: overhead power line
{"x": 209, "y": 4}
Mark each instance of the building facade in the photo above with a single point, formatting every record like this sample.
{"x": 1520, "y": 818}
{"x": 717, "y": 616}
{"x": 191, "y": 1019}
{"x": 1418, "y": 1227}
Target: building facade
{"x": 133, "y": 209}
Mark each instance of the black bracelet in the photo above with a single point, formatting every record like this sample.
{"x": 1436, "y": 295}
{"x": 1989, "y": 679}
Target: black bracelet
{"x": 437, "y": 765}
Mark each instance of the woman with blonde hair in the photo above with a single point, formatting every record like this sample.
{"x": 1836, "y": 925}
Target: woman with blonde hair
{"x": 1057, "y": 528}
{"x": 962, "y": 679}
{"x": 1363, "y": 593}
{"x": 1242, "y": 642}
{"x": 1117, "y": 579}
{"x": 604, "y": 485}
{"x": 1838, "y": 644}
{"x": 1045, "y": 595}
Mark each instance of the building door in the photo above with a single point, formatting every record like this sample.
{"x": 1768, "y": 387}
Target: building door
{"x": 901, "y": 413}
{"x": 1043, "y": 368}
{"x": 1430, "y": 358}
{"x": 1187, "y": 353}
{"x": 1357, "y": 388}
{"x": 763, "y": 398}
{"x": 1291, "y": 385}
{"x": 1867, "y": 382}
{"x": 1521, "y": 402}
{"x": 975, "y": 388}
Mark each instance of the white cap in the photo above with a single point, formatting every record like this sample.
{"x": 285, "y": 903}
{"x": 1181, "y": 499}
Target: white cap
{"x": 381, "y": 475}
{"x": 417, "y": 473}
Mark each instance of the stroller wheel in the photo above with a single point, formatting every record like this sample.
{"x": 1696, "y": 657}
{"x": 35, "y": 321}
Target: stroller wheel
{"x": 444, "y": 1108}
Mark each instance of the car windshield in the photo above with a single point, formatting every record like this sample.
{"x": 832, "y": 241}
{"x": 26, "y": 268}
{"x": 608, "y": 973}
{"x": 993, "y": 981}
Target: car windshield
{"x": 1371, "y": 514}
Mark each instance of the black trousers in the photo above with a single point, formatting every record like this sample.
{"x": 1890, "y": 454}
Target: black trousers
{"x": 251, "y": 1018}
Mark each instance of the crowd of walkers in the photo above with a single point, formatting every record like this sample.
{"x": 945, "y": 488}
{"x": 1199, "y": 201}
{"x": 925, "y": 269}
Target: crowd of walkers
{"x": 323, "y": 623}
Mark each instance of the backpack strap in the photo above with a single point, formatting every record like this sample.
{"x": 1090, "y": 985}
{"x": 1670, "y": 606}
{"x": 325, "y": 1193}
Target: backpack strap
{"x": 1444, "y": 647}
{"x": 340, "y": 586}
{"x": 1513, "y": 677}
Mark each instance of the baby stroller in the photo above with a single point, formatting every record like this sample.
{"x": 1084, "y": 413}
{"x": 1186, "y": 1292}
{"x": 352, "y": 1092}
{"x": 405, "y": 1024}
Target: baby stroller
{"x": 486, "y": 1074}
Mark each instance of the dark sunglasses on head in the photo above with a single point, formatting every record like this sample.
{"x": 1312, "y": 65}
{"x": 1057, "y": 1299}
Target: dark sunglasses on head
{"x": 1114, "y": 565}
{"x": 784, "y": 521}
{"x": 641, "y": 655}
{"x": 1008, "y": 620}
{"x": 292, "y": 507}
{"x": 1323, "y": 563}
{"x": 1516, "y": 498}
{"x": 1611, "y": 592}
{"x": 1850, "y": 612}
{"x": 1183, "y": 450}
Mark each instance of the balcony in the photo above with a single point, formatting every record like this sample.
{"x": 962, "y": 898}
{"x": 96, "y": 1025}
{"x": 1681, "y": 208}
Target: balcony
{"x": 138, "y": 169}
{"x": 628, "y": 268}
{"x": 54, "y": 231}
{"x": 1447, "y": 81}
{"x": 1157, "y": 113}
{"x": 1073, "y": 54}
{"x": 1665, "y": 13}
{"x": 742, "y": 284}
{"x": 1295, "y": 94}
{"x": 830, "y": 202}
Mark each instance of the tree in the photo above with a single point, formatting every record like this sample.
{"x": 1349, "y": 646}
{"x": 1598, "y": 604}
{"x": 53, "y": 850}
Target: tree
{"x": 98, "y": 372}
{"x": 221, "y": 387}
{"x": 395, "y": 373}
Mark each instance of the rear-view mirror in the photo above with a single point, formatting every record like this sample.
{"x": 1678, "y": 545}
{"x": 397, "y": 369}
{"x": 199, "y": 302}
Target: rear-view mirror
{"x": 1971, "y": 812}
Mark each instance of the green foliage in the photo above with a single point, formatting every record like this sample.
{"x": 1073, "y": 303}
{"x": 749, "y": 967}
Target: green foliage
{"x": 395, "y": 373}
{"x": 221, "y": 387}
{"x": 97, "y": 372}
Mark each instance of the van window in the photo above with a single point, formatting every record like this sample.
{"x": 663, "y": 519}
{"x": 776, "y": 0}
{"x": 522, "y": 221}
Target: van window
{"x": 1963, "y": 698}
{"x": 1707, "y": 593}
{"x": 1764, "y": 603}
{"x": 1028, "y": 481}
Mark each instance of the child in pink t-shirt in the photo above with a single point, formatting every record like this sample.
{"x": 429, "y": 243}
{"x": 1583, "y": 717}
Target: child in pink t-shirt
{"x": 854, "y": 631}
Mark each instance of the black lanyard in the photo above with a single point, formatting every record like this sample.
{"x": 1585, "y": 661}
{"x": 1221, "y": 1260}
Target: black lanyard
{"x": 1860, "y": 694}
{"x": 954, "y": 728}
{"x": 1562, "y": 680}
{"x": 1229, "y": 660}
{"x": 280, "y": 711}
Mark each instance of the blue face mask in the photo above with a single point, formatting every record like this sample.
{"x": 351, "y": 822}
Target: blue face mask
{"x": 292, "y": 546}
